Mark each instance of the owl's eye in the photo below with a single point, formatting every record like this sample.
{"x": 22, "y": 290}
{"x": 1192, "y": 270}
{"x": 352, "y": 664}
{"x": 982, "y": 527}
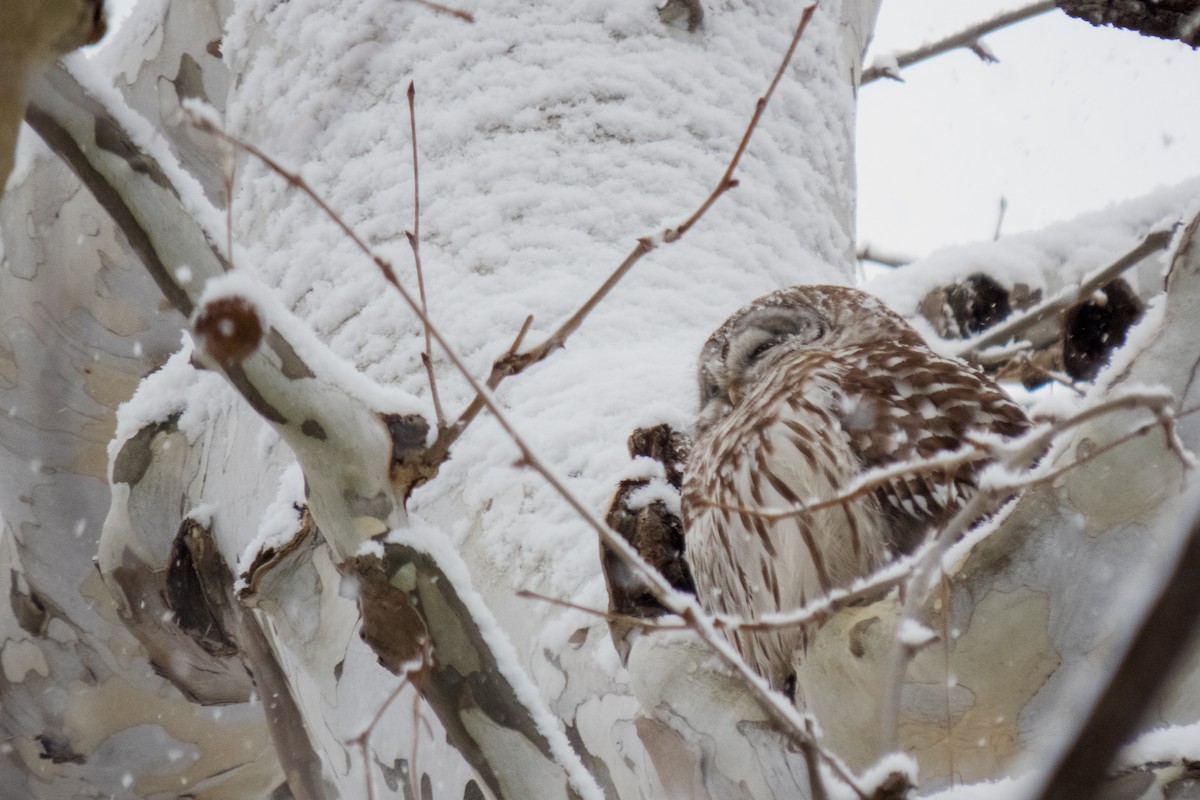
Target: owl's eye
{"x": 760, "y": 351}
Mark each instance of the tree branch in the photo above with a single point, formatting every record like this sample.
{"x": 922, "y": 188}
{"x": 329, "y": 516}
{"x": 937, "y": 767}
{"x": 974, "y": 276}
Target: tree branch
{"x": 967, "y": 38}
{"x": 1024, "y": 326}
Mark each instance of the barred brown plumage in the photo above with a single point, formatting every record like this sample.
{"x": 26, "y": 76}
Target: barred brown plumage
{"x": 802, "y": 391}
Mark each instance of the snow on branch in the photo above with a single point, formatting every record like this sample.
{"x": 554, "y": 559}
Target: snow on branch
{"x": 1027, "y": 326}
{"x": 890, "y": 65}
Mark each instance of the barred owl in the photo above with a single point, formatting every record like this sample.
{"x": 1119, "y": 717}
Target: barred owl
{"x": 800, "y": 392}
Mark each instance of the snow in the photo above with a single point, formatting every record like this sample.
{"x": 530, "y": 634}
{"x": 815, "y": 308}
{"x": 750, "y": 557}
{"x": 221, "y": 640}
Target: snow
{"x": 279, "y": 521}
{"x": 914, "y": 635}
{"x": 893, "y": 763}
{"x": 655, "y": 491}
{"x": 1174, "y": 743}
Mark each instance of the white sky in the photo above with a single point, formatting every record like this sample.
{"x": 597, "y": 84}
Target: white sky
{"x": 1072, "y": 119}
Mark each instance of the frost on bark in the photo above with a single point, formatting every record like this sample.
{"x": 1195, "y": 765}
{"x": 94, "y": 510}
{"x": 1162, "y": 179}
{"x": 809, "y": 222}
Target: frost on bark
{"x": 1163, "y": 19}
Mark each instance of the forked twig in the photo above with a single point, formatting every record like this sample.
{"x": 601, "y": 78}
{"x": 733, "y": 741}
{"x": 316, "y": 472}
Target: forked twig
{"x": 967, "y": 38}
{"x": 414, "y": 241}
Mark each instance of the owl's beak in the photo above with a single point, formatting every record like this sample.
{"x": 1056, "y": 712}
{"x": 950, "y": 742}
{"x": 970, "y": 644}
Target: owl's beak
{"x": 732, "y": 393}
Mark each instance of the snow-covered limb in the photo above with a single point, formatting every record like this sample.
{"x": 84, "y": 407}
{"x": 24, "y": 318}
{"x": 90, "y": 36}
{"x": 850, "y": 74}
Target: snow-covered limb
{"x": 126, "y": 164}
{"x": 1041, "y": 325}
{"x": 349, "y": 434}
{"x": 351, "y": 439}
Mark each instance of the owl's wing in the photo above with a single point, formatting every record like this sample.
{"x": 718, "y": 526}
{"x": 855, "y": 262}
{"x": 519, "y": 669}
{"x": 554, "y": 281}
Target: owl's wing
{"x": 906, "y": 404}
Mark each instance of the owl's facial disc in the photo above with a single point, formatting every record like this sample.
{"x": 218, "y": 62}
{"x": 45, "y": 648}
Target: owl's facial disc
{"x": 759, "y": 337}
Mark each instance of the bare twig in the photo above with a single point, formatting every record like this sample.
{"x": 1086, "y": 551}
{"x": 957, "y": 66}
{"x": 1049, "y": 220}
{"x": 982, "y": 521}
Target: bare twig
{"x": 1166, "y": 632}
{"x": 364, "y": 738}
{"x": 454, "y": 12}
{"x": 227, "y": 175}
{"x": 886, "y": 258}
{"x": 975, "y": 350}
{"x": 608, "y": 616}
{"x": 414, "y": 241}
{"x": 811, "y": 613}
{"x": 967, "y": 38}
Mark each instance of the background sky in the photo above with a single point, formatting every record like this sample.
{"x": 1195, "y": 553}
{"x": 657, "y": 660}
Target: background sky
{"x": 1072, "y": 119}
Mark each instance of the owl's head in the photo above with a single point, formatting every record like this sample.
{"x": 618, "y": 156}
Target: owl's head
{"x": 751, "y": 343}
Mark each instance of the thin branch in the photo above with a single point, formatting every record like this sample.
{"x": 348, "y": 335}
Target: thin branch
{"x": 975, "y": 350}
{"x": 364, "y": 738}
{"x": 1166, "y": 632}
{"x": 454, "y": 12}
{"x": 608, "y": 616}
{"x": 883, "y": 257}
{"x": 967, "y": 38}
{"x": 414, "y": 241}
{"x": 227, "y": 175}
{"x": 812, "y": 613}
